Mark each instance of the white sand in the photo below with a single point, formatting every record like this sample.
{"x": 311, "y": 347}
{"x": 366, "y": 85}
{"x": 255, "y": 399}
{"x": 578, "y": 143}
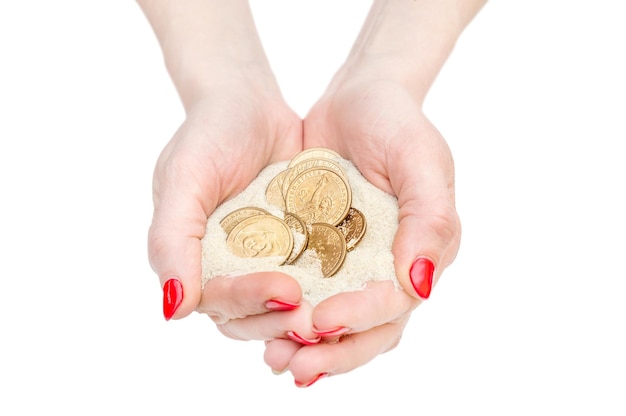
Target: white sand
{"x": 371, "y": 259}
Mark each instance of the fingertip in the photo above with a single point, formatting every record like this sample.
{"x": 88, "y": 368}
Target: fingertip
{"x": 172, "y": 297}
{"x": 178, "y": 300}
{"x": 421, "y": 276}
{"x": 278, "y": 353}
{"x": 418, "y": 277}
{"x": 416, "y": 259}
{"x": 280, "y": 287}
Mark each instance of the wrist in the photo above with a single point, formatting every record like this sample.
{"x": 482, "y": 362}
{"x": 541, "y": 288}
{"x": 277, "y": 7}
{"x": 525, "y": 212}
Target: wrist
{"x": 407, "y": 42}
{"x": 209, "y": 45}
{"x": 218, "y": 75}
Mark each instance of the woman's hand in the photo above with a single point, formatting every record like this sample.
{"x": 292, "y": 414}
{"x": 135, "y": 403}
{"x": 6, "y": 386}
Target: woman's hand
{"x": 380, "y": 127}
{"x": 225, "y": 141}
{"x": 371, "y": 113}
{"x": 236, "y": 124}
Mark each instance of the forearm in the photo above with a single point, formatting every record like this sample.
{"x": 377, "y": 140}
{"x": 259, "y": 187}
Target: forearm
{"x": 206, "y": 43}
{"x": 410, "y": 40}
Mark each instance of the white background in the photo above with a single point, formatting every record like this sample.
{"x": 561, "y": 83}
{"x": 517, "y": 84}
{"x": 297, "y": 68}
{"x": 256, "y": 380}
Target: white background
{"x": 530, "y": 319}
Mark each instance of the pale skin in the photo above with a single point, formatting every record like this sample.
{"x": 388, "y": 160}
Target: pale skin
{"x": 237, "y": 122}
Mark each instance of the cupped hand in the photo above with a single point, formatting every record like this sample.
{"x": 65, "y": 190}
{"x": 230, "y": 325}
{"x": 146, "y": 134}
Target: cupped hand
{"x": 379, "y": 125}
{"x": 229, "y": 135}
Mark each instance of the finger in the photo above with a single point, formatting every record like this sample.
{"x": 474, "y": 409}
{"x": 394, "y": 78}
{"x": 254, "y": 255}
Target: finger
{"x": 175, "y": 254}
{"x": 278, "y": 353}
{"x": 378, "y": 303}
{"x": 228, "y": 298}
{"x": 295, "y": 325}
{"x": 429, "y": 229}
{"x": 310, "y": 363}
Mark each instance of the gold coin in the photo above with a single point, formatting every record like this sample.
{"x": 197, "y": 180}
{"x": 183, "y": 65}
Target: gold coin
{"x": 235, "y": 217}
{"x": 297, "y": 226}
{"x": 329, "y": 246}
{"x": 319, "y": 195}
{"x": 307, "y": 164}
{"x": 353, "y": 228}
{"x": 274, "y": 191}
{"x": 314, "y": 152}
{"x": 261, "y": 236}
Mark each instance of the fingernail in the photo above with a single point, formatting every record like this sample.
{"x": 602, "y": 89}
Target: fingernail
{"x": 421, "y": 275}
{"x": 331, "y": 332}
{"x": 172, "y": 297}
{"x": 278, "y": 372}
{"x": 310, "y": 383}
{"x": 280, "y": 305}
{"x": 294, "y": 336}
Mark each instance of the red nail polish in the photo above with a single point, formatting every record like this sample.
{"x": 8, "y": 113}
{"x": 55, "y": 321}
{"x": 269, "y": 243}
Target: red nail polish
{"x": 421, "y": 275}
{"x": 294, "y": 336}
{"x": 280, "y": 305}
{"x": 331, "y": 332}
{"x": 310, "y": 383}
{"x": 172, "y": 297}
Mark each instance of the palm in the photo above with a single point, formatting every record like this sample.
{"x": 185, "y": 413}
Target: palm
{"x": 380, "y": 128}
{"x": 223, "y": 144}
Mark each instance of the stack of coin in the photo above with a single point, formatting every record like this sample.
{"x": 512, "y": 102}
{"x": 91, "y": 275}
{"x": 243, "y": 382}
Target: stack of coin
{"x": 315, "y": 197}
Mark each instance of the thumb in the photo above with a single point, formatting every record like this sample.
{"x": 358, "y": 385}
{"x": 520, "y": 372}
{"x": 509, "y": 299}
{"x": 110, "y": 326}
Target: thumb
{"x": 429, "y": 230}
{"x": 426, "y": 243}
{"x": 175, "y": 253}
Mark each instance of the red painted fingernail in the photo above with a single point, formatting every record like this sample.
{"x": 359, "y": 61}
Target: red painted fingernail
{"x": 310, "y": 383}
{"x": 421, "y": 275}
{"x": 331, "y": 332}
{"x": 280, "y": 305}
{"x": 294, "y": 336}
{"x": 172, "y": 297}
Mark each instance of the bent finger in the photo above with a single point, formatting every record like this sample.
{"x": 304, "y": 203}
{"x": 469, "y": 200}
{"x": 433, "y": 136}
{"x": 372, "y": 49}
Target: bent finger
{"x": 429, "y": 229}
{"x": 227, "y": 298}
{"x": 310, "y": 363}
{"x": 295, "y": 325}
{"x": 378, "y": 303}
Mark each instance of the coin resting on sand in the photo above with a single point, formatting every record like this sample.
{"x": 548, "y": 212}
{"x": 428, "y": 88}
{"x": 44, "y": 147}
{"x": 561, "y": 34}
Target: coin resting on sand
{"x": 261, "y": 236}
{"x": 319, "y": 195}
{"x": 231, "y": 220}
{"x": 353, "y": 228}
{"x": 329, "y": 245}
{"x": 290, "y": 174}
{"x": 316, "y": 199}
{"x": 314, "y": 153}
{"x": 297, "y": 226}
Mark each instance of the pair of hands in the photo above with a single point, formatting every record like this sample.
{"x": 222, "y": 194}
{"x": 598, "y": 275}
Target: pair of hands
{"x": 228, "y": 137}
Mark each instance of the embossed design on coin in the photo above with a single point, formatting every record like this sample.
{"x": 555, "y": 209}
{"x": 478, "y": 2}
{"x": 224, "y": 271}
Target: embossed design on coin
{"x": 312, "y": 153}
{"x": 353, "y": 228}
{"x": 261, "y": 236}
{"x": 297, "y": 226}
{"x": 235, "y": 217}
{"x": 313, "y": 190}
{"x": 329, "y": 245}
{"x": 319, "y": 195}
{"x": 307, "y": 164}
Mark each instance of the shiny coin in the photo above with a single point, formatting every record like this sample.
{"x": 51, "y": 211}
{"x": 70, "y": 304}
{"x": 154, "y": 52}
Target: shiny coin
{"x": 235, "y": 217}
{"x": 314, "y": 152}
{"x": 329, "y": 246}
{"x": 307, "y": 164}
{"x": 353, "y": 228}
{"x": 319, "y": 195}
{"x": 261, "y": 236}
{"x": 299, "y": 228}
{"x": 274, "y": 191}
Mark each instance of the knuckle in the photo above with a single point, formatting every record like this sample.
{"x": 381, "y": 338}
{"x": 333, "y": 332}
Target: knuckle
{"x": 444, "y": 224}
